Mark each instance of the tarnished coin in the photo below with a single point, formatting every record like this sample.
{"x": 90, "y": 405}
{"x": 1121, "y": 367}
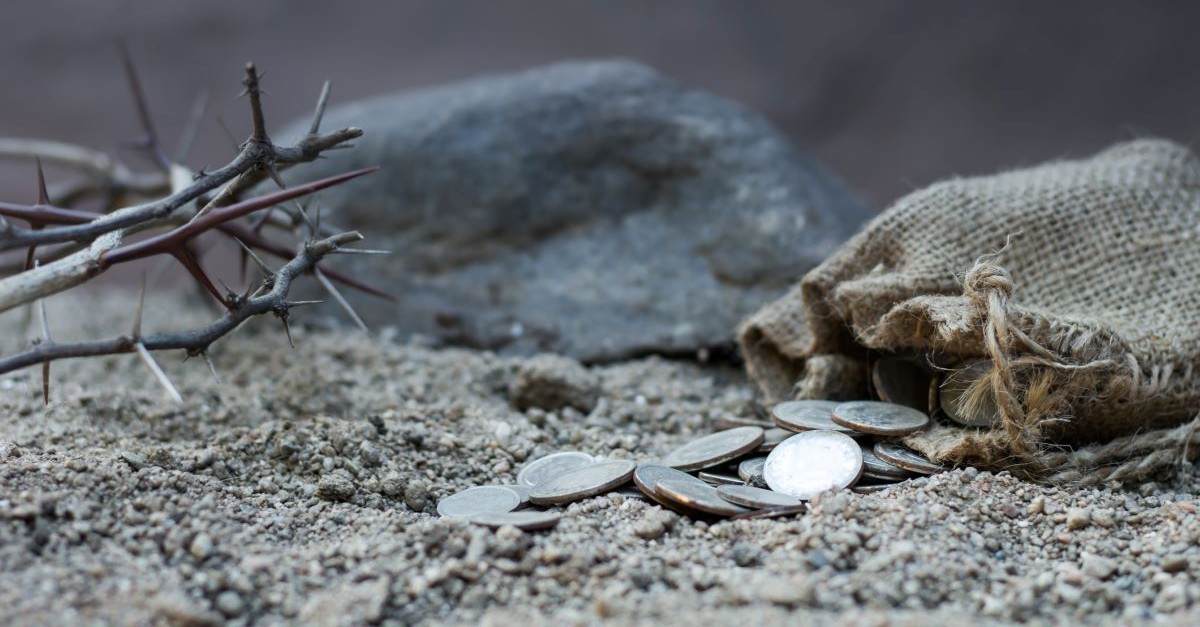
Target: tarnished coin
{"x": 583, "y": 483}
{"x": 648, "y": 475}
{"x": 751, "y": 470}
{"x": 773, "y": 512}
{"x": 717, "y": 478}
{"x": 880, "y": 418}
{"x": 733, "y": 422}
{"x": 525, "y": 521}
{"x": 714, "y": 449}
{"x": 954, "y": 392}
{"x": 905, "y": 458}
{"x": 901, "y": 381}
{"x": 698, "y": 497}
{"x": 812, "y": 462}
{"x": 876, "y": 468}
{"x": 552, "y": 465}
{"x": 756, "y": 498}
{"x": 771, "y": 438}
{"x": 799, "y": 416}
{"x": 484, "y": 499}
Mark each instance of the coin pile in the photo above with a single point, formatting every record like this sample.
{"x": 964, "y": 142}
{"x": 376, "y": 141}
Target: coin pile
{"x": 747, "y": 471}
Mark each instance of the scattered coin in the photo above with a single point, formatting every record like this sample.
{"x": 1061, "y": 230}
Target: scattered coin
{"x": 631, "y": 493}
{"x": 522, "y": 493}
{"x": 756, "y": 498}
{"x": 901, "y": 381}
{"x": 774, "y": 512}
{"x": 733, "y": 422}
{"x": 647, "y": 475}
{"x": 812, "y": 462}
{"x": 485, "y": 499}
{"x": 876, "y": 468}
{"x": 583, "y": 483}
{"x": 879, "y": 418}
{"x": 871, "y": 488}
{"x": 716, "y": 478}
{"x": 771, "y": 438}
{"x": 698, "y": 497}
{"x": 544, "y": 468}
{"x": 751, "y": 470}
{"x": 800, "y": 416}
{"x": 954, "y": 391}
{"x": 525, "y": 521}
{"x": 715, "y": 449}
{"x": 905, "y": 458}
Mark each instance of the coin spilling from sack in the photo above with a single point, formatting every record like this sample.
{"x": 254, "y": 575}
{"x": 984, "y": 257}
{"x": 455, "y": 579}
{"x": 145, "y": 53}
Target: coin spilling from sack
{"x": 813, "y": 447}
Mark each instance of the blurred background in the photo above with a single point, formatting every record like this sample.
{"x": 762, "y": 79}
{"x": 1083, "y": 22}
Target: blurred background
{"x": 891, "y": 95}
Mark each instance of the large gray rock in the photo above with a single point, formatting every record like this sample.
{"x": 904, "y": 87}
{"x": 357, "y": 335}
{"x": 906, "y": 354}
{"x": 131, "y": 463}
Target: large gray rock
{"x": 594, "y": 209}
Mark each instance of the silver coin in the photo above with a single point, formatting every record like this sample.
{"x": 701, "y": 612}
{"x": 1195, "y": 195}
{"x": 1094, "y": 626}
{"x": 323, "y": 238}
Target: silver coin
{"x": 880, "y": 418}
{"x": 484, "y": 499}
{"x": 756, "y": 498}
{"x": 771, "y": 438}
{"x": 800, "y": 416}
{"x": 550, "y": 466}
{"x": 733, "y": 422}
{"x": 953, "y": 395}
{"x": 900, "y": 381}
{"x": 872, "y": 488}
{"x": 647, "y": 475}
{"x": 876, "y": 468}
{"x": 522, "y": 493}
{"x": 812, "y": 462}
{"x": 701, "y": 497}
{"x": 714, "y": 449}
{"x": 526, "y": 521}
{"x": 906, "y": 458}
{"x": 716, "y": 478}
{"x": 583, "y": 483}
{"x": 751, "y": 470}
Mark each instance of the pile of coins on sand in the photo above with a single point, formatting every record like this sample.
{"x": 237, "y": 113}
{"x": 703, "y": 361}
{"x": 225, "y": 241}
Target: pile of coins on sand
{"x": 750, "y": 469}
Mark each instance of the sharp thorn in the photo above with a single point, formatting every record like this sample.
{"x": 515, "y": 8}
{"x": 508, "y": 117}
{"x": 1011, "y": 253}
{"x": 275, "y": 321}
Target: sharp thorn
{"x": 262, "y": 265}
{"x": 358, "y": 251}
{"x": 148, "y": 359}
{"x": 337, "y": 295}
{"x": 43, "y": 195}
{"x": 192, "y": 128}
{"x": 211, "y": 368}
{"x": 45, "y": 382}
{"x": 301, "y": 303}
{"x": 288, "y": 330}
{"x": 322, "y": 100}
{"x": 229, "y": 134}
{"x": 137, "y": 318}
{"x": 143, "y": 109}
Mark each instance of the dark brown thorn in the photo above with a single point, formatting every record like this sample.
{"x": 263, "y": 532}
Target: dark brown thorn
{"x": 188, "y": 260}
{"x": 137, "y": 318}
{"x": 287, "y": 328}
{"x": 139, "y": 100}
{"x": 45, "y": 382}
{"x": 39, "y": 216}
{"x": 45, "y": 342}
{"x": 322, "y": 100}
{"x": 192, "y": 127}
{"x": 43, "y": 198}
{"x": 259, "y": 132}
{"x": 166, "y": 242}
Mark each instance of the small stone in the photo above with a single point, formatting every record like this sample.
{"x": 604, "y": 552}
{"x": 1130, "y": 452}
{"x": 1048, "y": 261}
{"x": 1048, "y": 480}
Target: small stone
{"x": 1174, "y": 564}
{"x": 552, "y": 382}
{"x": 1078, "y": 518}
{"x": 1037, "y": 505}
{"x": 335, "y": 486}
{"x": 649, "y": 529}
{"x": 1097, "y": 567}
{"x": 230, "y": 603}
{"x": 746, "y": 554}
{"x": 136, "y": 461}
{"x": 201, "y": 546}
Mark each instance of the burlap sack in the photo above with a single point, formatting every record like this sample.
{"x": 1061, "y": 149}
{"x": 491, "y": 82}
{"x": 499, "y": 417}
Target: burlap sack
{"x": 1078, "y": 280}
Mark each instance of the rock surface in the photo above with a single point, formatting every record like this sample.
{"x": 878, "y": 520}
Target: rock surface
{"x": 594, "y": 209}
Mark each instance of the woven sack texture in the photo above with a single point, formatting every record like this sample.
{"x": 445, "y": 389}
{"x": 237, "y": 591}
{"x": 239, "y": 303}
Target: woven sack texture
{"x": 1078, "y": 280}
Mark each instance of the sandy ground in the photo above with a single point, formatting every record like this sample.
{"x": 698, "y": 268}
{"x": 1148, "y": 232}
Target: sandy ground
{"x": 300, "y": 490}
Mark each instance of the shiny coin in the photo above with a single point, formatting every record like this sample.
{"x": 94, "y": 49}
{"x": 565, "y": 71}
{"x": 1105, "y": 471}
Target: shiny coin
{"x": 905, "y": 458}
{"x": 544, "y": 468}
{"x": 717, "y": 478}
{"x": 876, "y": 468}
{"x": 880, "y": 418}
{"x": 771, "y": 438}
{"x": 799, "y": 416}
{"x": 484, "y": 499}
{"x": 756, "y": 498}
{"x": 812, "y": 462}
{"x": 715, "y": 449}
{"x": 522, "y": 493}
{"x": 751, "y": 470}
{"x": 583, "y": 483}
{"x": 900, "y": 381}
{"x": 526, "y": 521}
{"x": 647, "y": 475}
{"x": 631, "y": 492}
{"x": 774, "y": 512}
{"x": 953, "y": 394}
{"x": 701, "y": 497}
